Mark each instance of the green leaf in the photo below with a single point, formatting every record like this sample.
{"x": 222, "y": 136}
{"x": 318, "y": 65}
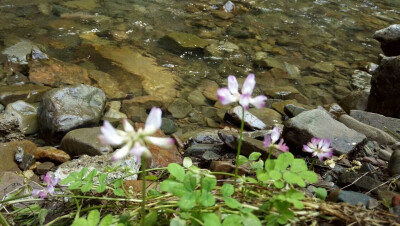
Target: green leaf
{"x": 187, "y": 162}
{"x": 82, "y": 173}
{"x": 293, "y": 178}
{"x": 119, "y": 192}
{"x": 242, "y": 160}
{"x": 190, "y": 182}
{"x": 91, "y": 175}
{"x": 227, "y": 190}
{"x": 187, "y": 202}
{"x": 263, "y": 177}
{"x": 254, "y": 156}
{"x": 232, "y": 220}
{"x": 93, "y": 217}
{"x": 270, "y": 164}
{"x": 209, "y": 183}
{"x": 101, "y": 188}
{"x": 279, "y": 184}
{"x": 86, "y": 187}
{"x": 251, "y": 180}
{"x": 75, "y": 185}
{"x": 153, "y": 191}
{"x": 294, "y": 194}
{"x": 151, "y": 218}
{"x": 151, "y": 177}
{"x": 257, "y": 165}
{"x": 177, "y": 171}
{"x": 207, "y": 199}
{"x": 107, "y": 220}
{"x": 275, "y": 175}
{"x": 284, "y": 160}
{"x": 42, "y": 215}
{"x": 298, "y": 165}
{"x": 79, "y": 222}
{"x": 176, "y": 221}
{"x": 309, "y": 176}
{"x": 69, "y": 179}
{"x": 118, "y": 183}
{"x": 251, "y": 220}
{"x": 174, "y": 187}
{"x": 232, "y": 203}
{"x": 321, "y": 193}
{"x": 211, "y": 219}
{"x": 298, "y": 204}
{"x": 102, "y": 178}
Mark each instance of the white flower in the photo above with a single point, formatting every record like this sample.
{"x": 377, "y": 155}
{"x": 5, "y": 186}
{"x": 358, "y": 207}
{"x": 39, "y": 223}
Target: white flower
{"x": 319, "y": 147}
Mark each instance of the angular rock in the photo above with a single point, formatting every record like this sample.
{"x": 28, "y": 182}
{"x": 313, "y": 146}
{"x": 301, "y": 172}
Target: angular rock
{"x": 234, "y": 116}
{"x": 51, "y": 154}
{"x": 318, "y": 123}
{"x": 56, "y": 73}
{"x": 84, "y": 141}
{"x": 376, "y": 120}
{"x": 18, "y": 53}
{"x": 360, "y": 181}
{"x": 180, "y": 42}
{"x": 201, "y": 136}
{"x": 196, "y": 98}
{"x": 357, "y": 100}
{"x": 353, "y": 198}
{"x": 8, "y": 150}
{"x": 200, "y": 149}
{"x": 389, "y": 38}
{"x": 394, "y": 163}
{"x": 370, "y": 132}
{"x": 27, "y": 161}
{"x": 384, "y": 98}
{"x": 268, "y": 116}
{"x": 280, "y": 106}
{"x": 27, "y": 92}
{"x": 324, "y": 67}
{"x": 45, "y": 167}
{"x": 180, "y": 108}
{"x": 101, "y": 163}
{"x": 26, "y": 115}
{"x": 9, "y": 128}
{"x": 64, "y": 109}
{"x": 113, "y": 114}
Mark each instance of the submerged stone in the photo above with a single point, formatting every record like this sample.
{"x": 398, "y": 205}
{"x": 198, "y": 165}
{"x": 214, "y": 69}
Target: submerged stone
{"x": 180, "y": 42}
{"x": 27, "y": 92}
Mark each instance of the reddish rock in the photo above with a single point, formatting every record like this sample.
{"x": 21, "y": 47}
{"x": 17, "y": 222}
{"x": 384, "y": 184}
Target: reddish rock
{"x": 51, "y": 153}
{"x": 56, "y": 73}
{"x": 7, "y": 153}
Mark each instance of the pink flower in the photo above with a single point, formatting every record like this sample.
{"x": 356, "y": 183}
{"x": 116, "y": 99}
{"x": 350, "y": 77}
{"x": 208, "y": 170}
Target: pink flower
{"x": 319, "y": 147}
{"x": 135, "y": 141}
{"x": 271, "y": 139}
{"x": 231, "y": 94}
{"x": 51, "y": 181}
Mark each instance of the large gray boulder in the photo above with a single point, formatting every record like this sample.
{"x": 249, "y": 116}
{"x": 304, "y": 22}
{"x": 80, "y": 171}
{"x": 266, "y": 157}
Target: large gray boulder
{"x": 318, "y": 123}
{"x": 67, "y": 108}
{"x": 390, "y": 39}
{"x": 376, "y": 120}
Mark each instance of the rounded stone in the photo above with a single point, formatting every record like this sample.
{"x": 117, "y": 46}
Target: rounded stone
{"x": 180, "y": 108}
{"x": 168, "y": 126}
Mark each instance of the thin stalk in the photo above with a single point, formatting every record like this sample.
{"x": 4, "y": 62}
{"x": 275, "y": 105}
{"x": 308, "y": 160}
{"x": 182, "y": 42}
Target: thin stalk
{"x": 3, "y": 220}
{"x": 239, "y": 147}
{"x": 312, "y": 163}
{"x": 143, "y": 190}
{"x": 100, "y": 198}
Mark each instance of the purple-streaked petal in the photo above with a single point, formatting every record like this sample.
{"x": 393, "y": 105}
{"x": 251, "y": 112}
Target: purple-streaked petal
{"x": 54, "y": 180}
{"x": 249, "y": 84}
{"x": 306, "y": 148}
{"x": 109, "y": 135}
{"x": 225, "y": 96}
{"x": 121, "y": 153}
{"x": 267, "y": 141}
{"x": 244, "y": 100}
{"x": 326, "y": 144}
{"x": 315, "y": 141}
{"x": 35, "y": 192}
{"x": 127, "y": 126}
{"x": 138, "y": 151}
{"x": 324, "y": 155}
{"x": 153, "y": 121}
{"x": 163, "y": 142}
{"x": 258, "y": 101}
{"x": 233, "y": 85}
{"x": 42, "y": 194}
{"x": 282, "y": 146}
{"x": 276, "y": 133}
{"x": 50, "y": 189}
{"x": 46, "y": 178}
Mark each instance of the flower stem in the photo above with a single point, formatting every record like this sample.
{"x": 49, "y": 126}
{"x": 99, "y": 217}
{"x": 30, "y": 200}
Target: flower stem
{"x": 239, "y": 147}
{"x": 3, "y": 220}
{"x": 144, "y": 161}
{"x": 312, "y": 163}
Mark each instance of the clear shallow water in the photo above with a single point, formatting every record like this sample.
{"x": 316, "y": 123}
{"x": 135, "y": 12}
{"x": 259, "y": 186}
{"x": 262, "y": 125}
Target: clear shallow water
{"x": 301, "y": 33}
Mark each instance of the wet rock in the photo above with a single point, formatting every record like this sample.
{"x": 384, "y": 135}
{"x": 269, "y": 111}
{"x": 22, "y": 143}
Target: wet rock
{"x": 26, "y": 115}
{"x": 196, "y": 98}
{"x": 263, "y": 60}
{"x": 134, "y": 111}
{"x": 10, "y": 181}
{"x": 336, "y": 110}
{"x": 385, "y": 96}
{"x": 211, "y": 122}
{"x": 234, "y": 116}
{"x": 222, "y": 14}
{"x": 101, "y": 163}
{"x": 180, "y": 42}
{"x": 389, "y": 38}
{"x": 313, "y": 80}
{"x": 361, "y": 80}
{"x": 57, "y": 73}
{"x": 352, "y": 197}
{"x": 249, "y": 145}
{"x": 27, "y": 92}
{"x": 64, "y": 109}
{"x": 357, "y": 100}
{"x": 394, "y": 163}
{"x": 84, "y": 141}
{"x": 318, "y": 123}
{"x": 370, "y": 132}
{"x": 9, "y": 128}
{"x": 20, "y": 52}
{"x": 268, "y": 116}
{"x": 81, "y": 4}
{"x": 53, "y": 154}
{"x": 113, "y": 114}
{"x": 209, "y": 89}
{"x": 360, "y": 181}
{"x": 8, "y": 150}
{"x": 201, "y": 136}
{"x": 106, "y": 83}
{"x": 209, "y": 155}
{"x": 280, "y": 106}
{"x": 286, "y": 93}
{"x": 168, "y": 126}
{"x": 44, "y": 167}
{"x": 27, "y": 161}
{"x": 180, "y": 108}
{"x": 199, "y": 149}
{"x": 324, "y": 67}
{"x": 376, "y": 120}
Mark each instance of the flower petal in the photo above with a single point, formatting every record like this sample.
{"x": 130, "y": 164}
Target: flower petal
{"x": 326, "y": 143}
{"x": 153, "y": 121}
{"x": 127, "y": 126}
{"x": 282, "y": 146}
{"x": 46, "y": 178}
{"x": 307, "y": 149}
{"x": 50, "y": 189}
{"x": 244, "y": 100}
{"x": 138, "y": 151}
{"x": 276, "y": 133}
{"x": 233, "y": 85}
{"x": 258, "y": 101}
{"x": 163, "y": 142}
{"x": 324, "y": 155}
{"x": 122, "y": 152}
{"x": 249, "y": 84}
{"x": 225, "y": 96}
{"x": 109, "y": 135}
{"x": 35, "y": 192}
{"x": 42, "y": 194}
{"x": 267, "y": 141}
